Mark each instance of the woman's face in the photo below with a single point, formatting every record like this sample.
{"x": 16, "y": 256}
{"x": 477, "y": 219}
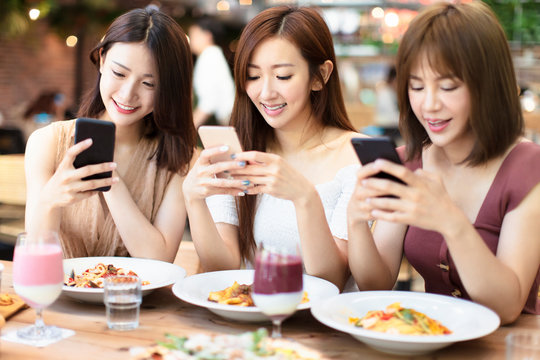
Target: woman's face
{"x": 278, "y": 83}
{"x": 441, "y": 102}
{"x": 128, "y": 83}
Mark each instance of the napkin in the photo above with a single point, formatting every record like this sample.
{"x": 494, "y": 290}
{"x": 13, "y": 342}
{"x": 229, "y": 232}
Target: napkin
{"x": 12, "y": 336}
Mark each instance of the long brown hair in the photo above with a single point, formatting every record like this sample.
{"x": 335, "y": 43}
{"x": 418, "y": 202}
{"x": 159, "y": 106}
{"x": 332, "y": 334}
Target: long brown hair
{"x": 171, "y": 122}
{"x": 305, "y": 28}
{"x": 466, "y": 41}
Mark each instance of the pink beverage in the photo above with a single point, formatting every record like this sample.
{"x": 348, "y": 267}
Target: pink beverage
{"x": 277, "y": 287}
{"x": 38, "y": 273}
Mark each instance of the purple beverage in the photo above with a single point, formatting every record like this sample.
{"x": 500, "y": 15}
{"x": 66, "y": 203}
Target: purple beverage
{"x": 277, "y": 273}
{"x": 277, "y": 286}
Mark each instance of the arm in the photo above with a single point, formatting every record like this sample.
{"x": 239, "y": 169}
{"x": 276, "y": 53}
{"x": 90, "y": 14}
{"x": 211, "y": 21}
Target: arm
{"x": 48, "y": 189}
{"x": 158, "y": 240}
{"x": 216, "y": 244}
{"x": 374, "y": 257}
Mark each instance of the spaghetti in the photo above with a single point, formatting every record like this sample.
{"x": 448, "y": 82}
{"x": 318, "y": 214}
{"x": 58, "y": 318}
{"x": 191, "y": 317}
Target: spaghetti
{"x": 399, "y": 320}
{"x": 93, "y": 277}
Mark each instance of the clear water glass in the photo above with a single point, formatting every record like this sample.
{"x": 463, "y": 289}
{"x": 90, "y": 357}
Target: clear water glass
{"x": 122, "y": 300}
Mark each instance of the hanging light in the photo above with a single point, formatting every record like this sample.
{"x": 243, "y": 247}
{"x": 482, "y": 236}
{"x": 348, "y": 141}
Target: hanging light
{"x": 33, "y": 14}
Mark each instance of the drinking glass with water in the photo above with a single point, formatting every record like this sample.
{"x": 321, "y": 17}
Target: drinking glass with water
{"x": 122, "y": 300}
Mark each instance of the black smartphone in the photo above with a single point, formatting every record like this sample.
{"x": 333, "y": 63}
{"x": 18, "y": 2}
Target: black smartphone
{"x": 371, "y": 149}
{"x": 102, "y": 134}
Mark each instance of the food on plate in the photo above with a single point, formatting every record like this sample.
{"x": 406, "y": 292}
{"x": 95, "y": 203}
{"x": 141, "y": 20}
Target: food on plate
{"x": 250, "y": 345}
{"x": 239, "y": 295}
{"x": 93, "y": 277}
{"x": 6, "y": 300}
{"x": 236, "y": 294}
{"x": 399, "y": 320}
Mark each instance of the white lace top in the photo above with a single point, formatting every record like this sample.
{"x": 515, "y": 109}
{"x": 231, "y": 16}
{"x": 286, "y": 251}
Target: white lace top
{"x": 275, "y": 219}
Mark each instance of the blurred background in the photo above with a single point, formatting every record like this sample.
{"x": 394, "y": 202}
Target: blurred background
{"x": 44, "y": 46}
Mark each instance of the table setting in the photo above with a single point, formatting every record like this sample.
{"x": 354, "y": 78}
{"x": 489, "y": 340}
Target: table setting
{"x": 319, "y": 329}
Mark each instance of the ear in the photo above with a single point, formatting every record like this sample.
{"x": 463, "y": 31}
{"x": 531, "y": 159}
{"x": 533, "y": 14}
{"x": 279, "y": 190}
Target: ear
{"x": 101, "y": 60}
{"x": 326, "y": 70}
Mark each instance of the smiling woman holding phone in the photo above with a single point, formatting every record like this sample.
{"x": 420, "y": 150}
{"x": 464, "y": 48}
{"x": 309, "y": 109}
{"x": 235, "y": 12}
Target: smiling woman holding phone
{"x": 146, "y": 93}
{"x": 292, "y": 183}
{"x": 467, "y": 216}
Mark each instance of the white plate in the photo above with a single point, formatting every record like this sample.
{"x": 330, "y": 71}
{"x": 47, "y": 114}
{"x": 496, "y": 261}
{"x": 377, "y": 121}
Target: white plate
{"x": 466, "y": 320}
{"x": 158, "y": 273}
{"x": 196, "y": 288}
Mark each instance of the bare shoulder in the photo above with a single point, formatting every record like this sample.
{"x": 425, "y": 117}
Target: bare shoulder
{"x": 42, "y": 142}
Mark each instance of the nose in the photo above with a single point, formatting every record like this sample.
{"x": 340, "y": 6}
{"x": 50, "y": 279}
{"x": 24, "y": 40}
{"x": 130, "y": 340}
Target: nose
{"x": 431, "y": 100}
{"x": 267, "y": 90}
{"x": 128, "y": 91}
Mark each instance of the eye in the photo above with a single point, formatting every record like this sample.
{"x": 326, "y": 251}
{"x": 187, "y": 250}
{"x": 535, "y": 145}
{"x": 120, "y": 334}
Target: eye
{"x": 147, "y": 84}
{"x": 284, "y": 77}
{"x": 251, "y": 78}
{"x": 416, "y": 87}
{"x": 117, "y": 74}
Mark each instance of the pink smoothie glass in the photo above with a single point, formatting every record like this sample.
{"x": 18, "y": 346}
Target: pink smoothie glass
{"x": 38, "y": 277}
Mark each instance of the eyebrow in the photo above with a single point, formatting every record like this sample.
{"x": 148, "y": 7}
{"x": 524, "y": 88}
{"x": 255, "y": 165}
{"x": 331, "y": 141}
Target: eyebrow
{"x": 273, "y": 66}
{"x": 128, "y": 69}
{"x": 442, "y": 77}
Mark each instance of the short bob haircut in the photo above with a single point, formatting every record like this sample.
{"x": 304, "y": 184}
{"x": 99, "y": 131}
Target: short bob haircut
{"x": 465, "y": 41}
{"x": 306, "y": 29}
{"x": 171, "y": 122}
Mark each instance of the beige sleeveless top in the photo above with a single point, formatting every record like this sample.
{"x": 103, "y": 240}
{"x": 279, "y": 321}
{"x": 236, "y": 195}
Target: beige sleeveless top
{"x": 86, "y": 227}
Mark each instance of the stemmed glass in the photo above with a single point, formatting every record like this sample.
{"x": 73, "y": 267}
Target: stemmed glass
{"x": 37, "y": 278}
{"x": 277, "y": 287}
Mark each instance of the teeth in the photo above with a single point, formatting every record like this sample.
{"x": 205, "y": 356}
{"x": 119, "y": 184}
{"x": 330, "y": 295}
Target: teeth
{"x": 435, "y": 123}
{"x": 123, "y": 107}
{"x": 274, "y": 107}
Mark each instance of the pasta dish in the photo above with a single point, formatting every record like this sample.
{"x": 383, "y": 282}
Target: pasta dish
{"x": 399, "y": 320}
{"x": 239, "y": 295}
{"x": 93, "y": 277}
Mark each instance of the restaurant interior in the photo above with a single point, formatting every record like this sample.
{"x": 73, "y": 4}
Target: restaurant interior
{"x": 44, "y": 70}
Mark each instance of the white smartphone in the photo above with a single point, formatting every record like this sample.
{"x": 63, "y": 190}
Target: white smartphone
{"x": 212, "y": 136}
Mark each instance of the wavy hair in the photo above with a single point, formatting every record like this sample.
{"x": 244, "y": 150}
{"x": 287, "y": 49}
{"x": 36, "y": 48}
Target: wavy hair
{"x": 171, "y": 122}
{"x": 306, "y": 29}
{"x": 466, "y": 41}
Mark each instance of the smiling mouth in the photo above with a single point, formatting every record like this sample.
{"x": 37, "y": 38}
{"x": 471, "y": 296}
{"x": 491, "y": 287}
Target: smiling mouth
{"x": 124, "y": 107}
{"x": 277, "y": 107}
{"x": 437, "y": 123}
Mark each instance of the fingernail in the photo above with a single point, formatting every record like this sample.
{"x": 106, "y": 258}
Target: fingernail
{"x": 112, "y": 165}
{"x": 364, "y": 182}
{"x": 224, "y": 148}
{"x": 233, "y": 156}
{"x": 241, "y": 193}
{"x": 246, "y": 182}
{"x": 242, "y": 163}
{"x": 88, "y": 141}
{"x": 115, "y": 179}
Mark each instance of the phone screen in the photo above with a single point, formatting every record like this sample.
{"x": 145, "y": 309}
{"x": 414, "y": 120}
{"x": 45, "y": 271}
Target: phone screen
{"x": 102, "y": 134}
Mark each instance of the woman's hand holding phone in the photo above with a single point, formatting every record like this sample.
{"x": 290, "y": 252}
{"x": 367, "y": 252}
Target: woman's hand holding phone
{"x": 66, "y": 186}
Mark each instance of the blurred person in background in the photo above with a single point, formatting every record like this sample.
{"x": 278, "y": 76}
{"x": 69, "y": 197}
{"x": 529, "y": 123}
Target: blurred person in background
{"x": 212, "y": 80}
{"x": 144, "y": 73}
{"x": 467, "y": 216}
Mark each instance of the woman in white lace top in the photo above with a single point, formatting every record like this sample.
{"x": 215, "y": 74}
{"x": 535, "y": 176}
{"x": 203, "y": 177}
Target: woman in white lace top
{"x": 293, "y": 183}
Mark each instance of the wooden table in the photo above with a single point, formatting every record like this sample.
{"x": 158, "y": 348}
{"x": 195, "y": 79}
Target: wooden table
{"x": 162, "y": 312}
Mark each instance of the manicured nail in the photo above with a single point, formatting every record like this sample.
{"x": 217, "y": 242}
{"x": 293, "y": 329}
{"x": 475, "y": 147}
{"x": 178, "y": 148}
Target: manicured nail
{"x": 241, "y": 163}
{"x": 224, "y": 148}
{"x": 241, "y": 193}
{"x": 115, "y": 179}
{"x": 233, "y": 156}
{"x": 246, "y": 182}
{"x": 112, "y": 165}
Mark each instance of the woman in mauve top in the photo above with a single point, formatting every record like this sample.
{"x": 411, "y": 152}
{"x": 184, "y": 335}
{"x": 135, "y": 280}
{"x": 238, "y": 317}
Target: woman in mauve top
{"x": 467, "y": 218}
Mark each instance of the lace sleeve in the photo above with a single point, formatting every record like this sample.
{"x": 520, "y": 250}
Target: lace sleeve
{"x": 338, "y": 222}
{"x": 223, "y": 209}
